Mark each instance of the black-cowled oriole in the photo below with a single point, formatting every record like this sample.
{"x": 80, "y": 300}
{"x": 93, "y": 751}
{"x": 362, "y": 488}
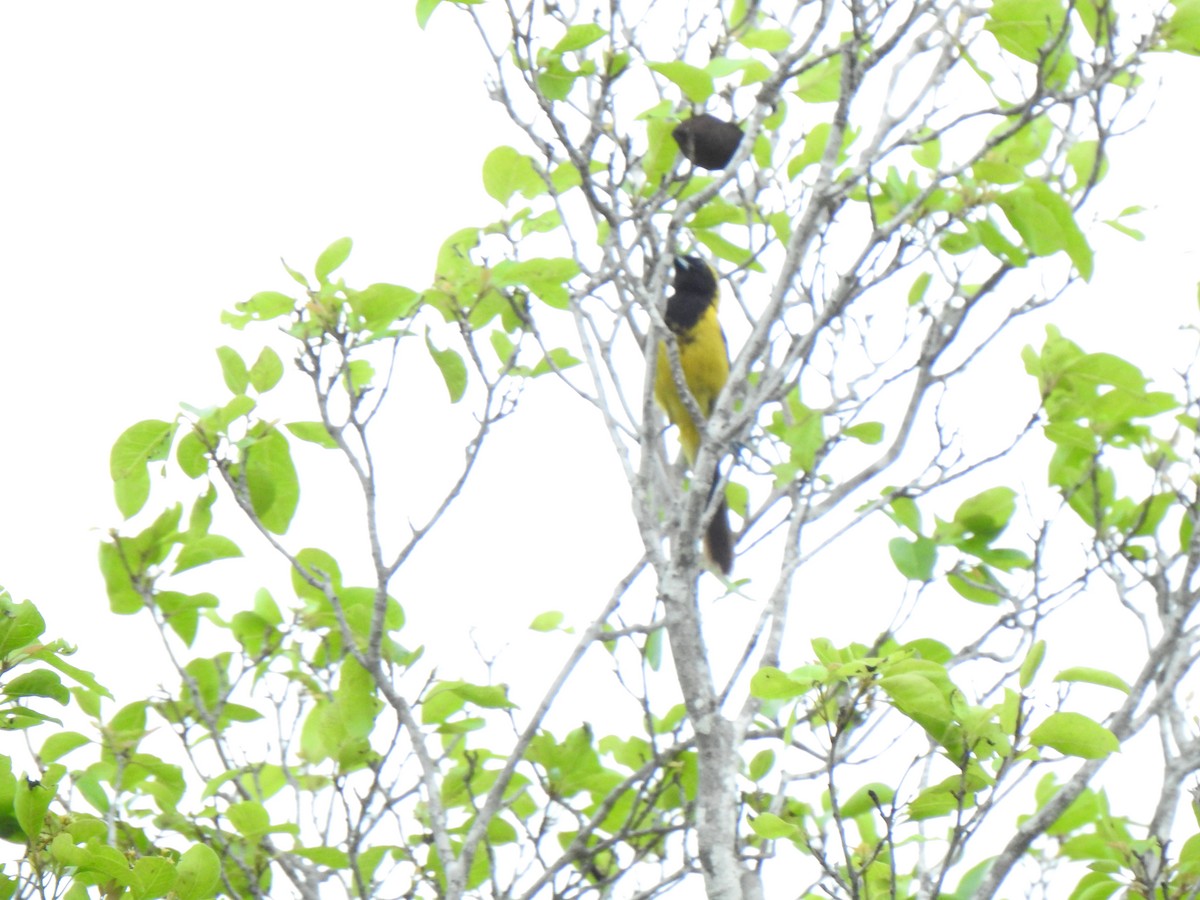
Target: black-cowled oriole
{"x": 707, "y": 141}
{"x": 691, "y": 314}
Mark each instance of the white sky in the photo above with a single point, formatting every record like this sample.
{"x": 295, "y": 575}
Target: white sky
{"x": 158, "y": 161}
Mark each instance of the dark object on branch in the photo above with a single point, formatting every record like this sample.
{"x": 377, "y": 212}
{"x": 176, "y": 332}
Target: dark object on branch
{"x": 708, "y": 141}
{"x": 691, "y": 313}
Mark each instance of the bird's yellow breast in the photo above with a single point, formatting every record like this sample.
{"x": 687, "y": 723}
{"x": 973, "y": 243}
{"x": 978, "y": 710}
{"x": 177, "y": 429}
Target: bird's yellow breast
{"x": 704, "y": 360}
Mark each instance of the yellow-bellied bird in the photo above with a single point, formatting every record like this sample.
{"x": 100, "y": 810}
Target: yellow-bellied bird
{"x": 691, "y": 314}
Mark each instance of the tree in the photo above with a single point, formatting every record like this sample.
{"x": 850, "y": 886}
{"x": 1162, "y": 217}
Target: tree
{"x": 910, "y": 185}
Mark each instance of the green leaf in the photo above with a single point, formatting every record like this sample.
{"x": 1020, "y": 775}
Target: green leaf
{"x": 866, "y": 432}
{"x": 916, "y": 293}
{"x": 906, "y": 513}
{"x": 769, "y": 683}
{"x": 914, "y": 559}
{"x": 452, "y": 367}
{"x": 762, "y": 764}
{"x": 323, "y": 567}
{"x": 359, "y": 373}
{"x": 696, "y": 84}
{"x": 296, "y": 276}
{"x": 1025, "y": 27}
{"x": 770, "y": 826}
{"x": 261, "y": 307}
{"x": 330, "y": 857}
{"x": 332, "y": 257}
{"x": 547, "y": 621}
{"x": 934, "y": 802}
{"x": 822, "y": 83}
{"x": 652, "y": 650}
{"x": 425, "y": 9}
{"x": 20, "y": 625}
{"x": 1182, "y": 31}
{"x": 987, "y": 514}
{"x": 139, "y": 445}
{"x": 31, "y": 803}
{"x": 313, "y": 432}
{"x": 1073, "y": 734}
{"x": 266, "y": 371}
{"x": 929, "y": 154}
{"x": 271, "y": 480}
{"x": 60, "y": 744}
{"x": 1046, "y": 223}
{"x": 249, "y": 818}
{"x": 192, "y": 455}
{"x": 547, "y": 277}
{"x": 504, "y": 347}
{"x": 976, "y": 584}
{"x": 920, "y": 698}
{"x": 1094, "y": 676}
{"x": 233, "y": 368}
{"x": 773, "y": 40}
{"x": 1032, "y": 662}
{"x": 867, "y": 798}
{"x": 958, "y": 242}
{"x": 204, "y": 550}
{"x": 813, "y": 151}
{"x": 198, "y": 873}
{"x": 1082, "y": 157}
{"x": 123, "y": 598}
{"x": 200, "y": 519}
{"x": 578, "y": 37}
{"x": 661, "y": 151}
{"x": 152, "y": 876}
{"x": 380, "y": 305}
{"x": 507, "y": 171}
{"x": 722, "y": 248}
{"x": 556, "y": 360}
{"x": 38, "y": 683}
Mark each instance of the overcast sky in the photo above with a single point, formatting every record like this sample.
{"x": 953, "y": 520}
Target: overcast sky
{"x": 161, "y": 158}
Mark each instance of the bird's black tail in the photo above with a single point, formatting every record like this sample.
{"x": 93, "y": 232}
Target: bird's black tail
{"x": 718, "y": 538}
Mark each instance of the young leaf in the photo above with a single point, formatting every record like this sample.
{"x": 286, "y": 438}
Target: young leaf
{"x": 770, "y": 826}
{"x": 332, "y": 257}
{"x": 1094, "y": 676}
{"x": 578, "y": 37}
{"x": 1033, "y": 661}
{"x": 452, "y": 367}
{"x": 507, "y": 171}
{"x": 272, "y": 481}
{"x": 197, "y": 873}
{"x": 822, "y": 83}
{"x": 547, "y": 621}
{"x": 313, "y": 432}
{"x": 259, "y": 308}
{"x": 696, "y": 84}
{"x": 266, "y": 371}
{"x": 1073, "y": 734}
{"x": 139, "y": 445}
{"x": 915, "y": 559}
{"x": 233, "y": 369}
{"x": 205, "y": 549}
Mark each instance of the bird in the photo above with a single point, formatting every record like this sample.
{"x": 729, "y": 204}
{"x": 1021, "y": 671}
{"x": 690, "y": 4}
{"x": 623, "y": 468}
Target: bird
{"x": 707, "y": 141}
{"x": 691, "y": 314}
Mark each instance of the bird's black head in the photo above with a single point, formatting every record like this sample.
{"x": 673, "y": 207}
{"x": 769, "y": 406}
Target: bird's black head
{"x": 695, "y": 291}
{"x": 694, "y": 275}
